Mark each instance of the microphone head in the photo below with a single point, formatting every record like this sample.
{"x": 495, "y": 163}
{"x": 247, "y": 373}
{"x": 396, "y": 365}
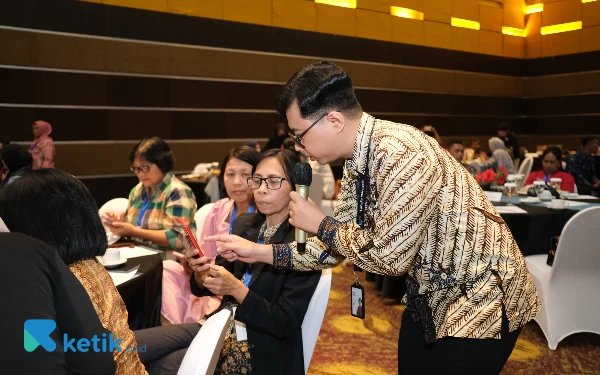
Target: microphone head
{"x": 303, "y": 174}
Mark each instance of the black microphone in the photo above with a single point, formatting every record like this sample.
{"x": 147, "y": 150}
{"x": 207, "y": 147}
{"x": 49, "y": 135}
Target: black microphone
{"x": 303, "y": 179}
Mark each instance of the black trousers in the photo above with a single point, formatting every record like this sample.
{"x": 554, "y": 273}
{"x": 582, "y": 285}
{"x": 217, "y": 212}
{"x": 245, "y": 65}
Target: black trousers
{"x": 165, "y": 346}
{"x": 452, "y": 355}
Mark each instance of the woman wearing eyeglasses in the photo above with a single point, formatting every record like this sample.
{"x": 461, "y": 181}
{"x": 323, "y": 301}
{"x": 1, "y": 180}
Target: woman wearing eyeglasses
{"x": 271, "y": 302}
{"x": 179, "y": 305}
{"x": 156, "y": 203}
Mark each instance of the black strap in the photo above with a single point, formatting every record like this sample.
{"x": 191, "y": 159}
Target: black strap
{"x": 363, "y": 189}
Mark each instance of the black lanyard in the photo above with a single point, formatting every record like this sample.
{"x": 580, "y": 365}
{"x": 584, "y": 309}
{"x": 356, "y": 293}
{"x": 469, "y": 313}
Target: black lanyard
{"x": 363, "y": 189}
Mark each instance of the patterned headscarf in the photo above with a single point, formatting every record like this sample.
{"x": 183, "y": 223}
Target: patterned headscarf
{"x": 44, "y": 133}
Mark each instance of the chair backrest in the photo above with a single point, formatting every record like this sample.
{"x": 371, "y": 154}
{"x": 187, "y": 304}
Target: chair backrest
{"x": 200, "y": 216}
{"x": 526, "y": 165}
{"x": 311, "y": 325}
{"x": 316, "y": 188}
{"x": 203, "y": 353}
{"x": 578, "y": 252}
{"x": 116, "y": 205}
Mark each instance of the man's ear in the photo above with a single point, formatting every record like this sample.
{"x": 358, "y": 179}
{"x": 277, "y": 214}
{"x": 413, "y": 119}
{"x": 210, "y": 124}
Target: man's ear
{"x": 338, "y": 120}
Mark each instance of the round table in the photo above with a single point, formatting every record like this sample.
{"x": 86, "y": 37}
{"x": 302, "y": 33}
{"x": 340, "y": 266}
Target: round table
{"x": 142, "y": 294}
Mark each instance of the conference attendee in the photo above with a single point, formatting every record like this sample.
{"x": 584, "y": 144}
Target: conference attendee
{"x": 500, "y": 157}
{"x": 157, "y": 201}
{"x": 430, "y": 131}
{"x": 4, "y": 142}
{"x": 270, "y": 302}
{"x": 42, "y": 147}
{"x": 405, "y": 208}
{"x": 582, "y": 167}
{"x": 179, "y": 305}
{"x": 38, "y": 285}
{"x": 277, "y": 139}
{"x": 56, "y": 208}
{"x": 552, "y": 168}
{"x": 16, "y": 162}
{"x": 456, "y": 148}
{"x": 510, "y": 140}
{"x": 255, "y": 145}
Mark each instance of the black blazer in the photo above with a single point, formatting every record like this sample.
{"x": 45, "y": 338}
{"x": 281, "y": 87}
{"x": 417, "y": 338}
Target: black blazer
{"x": 274, "y": 308}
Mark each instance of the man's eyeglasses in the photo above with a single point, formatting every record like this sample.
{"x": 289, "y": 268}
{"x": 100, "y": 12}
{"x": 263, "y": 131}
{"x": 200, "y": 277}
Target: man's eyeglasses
{"x": 297, "y": 138}
{"x": 273, "y": 183}
{"x": 143, "y": 168}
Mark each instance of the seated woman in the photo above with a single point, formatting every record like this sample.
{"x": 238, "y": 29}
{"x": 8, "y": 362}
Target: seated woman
{"x": 56, "y": 208}
{"x": 271, "y": 302}
{"x": 500, "y": 157}
{"x": 16, "y": 162}
{"x": 179, "y": 305}
{"x": 157, "y": 201}
{"x": 552, "y": 168}
{"x": 42, "y": 287}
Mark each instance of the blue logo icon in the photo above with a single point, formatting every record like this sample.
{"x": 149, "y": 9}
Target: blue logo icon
{"x": 37, "y": 333}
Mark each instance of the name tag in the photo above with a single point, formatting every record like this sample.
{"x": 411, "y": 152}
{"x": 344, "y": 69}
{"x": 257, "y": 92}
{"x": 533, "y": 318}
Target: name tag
{"x": 240, "y": 328}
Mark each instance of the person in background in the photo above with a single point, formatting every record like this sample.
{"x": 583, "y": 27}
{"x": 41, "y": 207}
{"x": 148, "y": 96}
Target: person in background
{"x": 270, "y": 302}
{"x": 157, "y": 202}
{"x": 552, "y": 168}
{"x": 42, "y": 147}
{"x": 255, "y": 145}
{"x": 38, "y": 285}
{"x": 456, "y": 148}
{"x": 500, "y": 157}
{"x": 16, "y": 162}
{"x": 280, "y": 135}
{"x": 430, "y": 131}
{"x": 56, "y": 208}
{"x": 179, "y": 305}
{"x": 3, "y": 142}
{"x": 581, "y": 166}
{"x": 510, "y": 140}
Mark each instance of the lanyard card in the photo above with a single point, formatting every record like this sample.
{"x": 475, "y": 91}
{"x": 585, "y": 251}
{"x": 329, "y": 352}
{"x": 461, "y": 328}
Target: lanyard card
{"x": 357, "y": 293}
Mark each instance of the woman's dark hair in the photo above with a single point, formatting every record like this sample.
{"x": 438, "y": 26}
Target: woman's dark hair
{"x": 15, "y": 157}
{"x": 56, "y": 208}
{"x": 319, "y": 88}
{"x": 557, "y": 154}
{"x": 154, "y": 150}
{"x": 244, "y": 153}
{"x": 288, "y": 160}
{"x": 587, "y": 140}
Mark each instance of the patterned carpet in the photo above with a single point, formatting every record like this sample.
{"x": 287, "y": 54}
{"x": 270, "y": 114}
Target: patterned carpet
{"x": 350, "y": 346}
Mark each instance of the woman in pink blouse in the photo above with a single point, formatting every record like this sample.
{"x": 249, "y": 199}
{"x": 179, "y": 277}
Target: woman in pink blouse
{"x": 179, "y": 305}
{"x": 551, "y": 168}
{"x": 42, "y": 147}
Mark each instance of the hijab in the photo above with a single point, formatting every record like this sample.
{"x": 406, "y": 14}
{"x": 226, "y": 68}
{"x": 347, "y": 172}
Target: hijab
{"x": 44, "y": 133}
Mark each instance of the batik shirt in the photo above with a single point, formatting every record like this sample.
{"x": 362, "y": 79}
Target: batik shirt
{"x": 428, "y": 220}
{"x": 171, "y": 199}
{"x": 582, "y": 168}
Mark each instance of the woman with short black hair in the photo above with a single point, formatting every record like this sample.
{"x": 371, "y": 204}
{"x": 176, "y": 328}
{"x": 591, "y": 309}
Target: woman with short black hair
{"x": 56, "y": 208}
{"x": 157, "y": 202}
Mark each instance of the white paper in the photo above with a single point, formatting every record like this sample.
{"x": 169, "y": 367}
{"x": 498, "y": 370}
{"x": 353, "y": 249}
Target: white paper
{"x": 119, "y": 277}
{"x": 571, "y": 204}
{"x": 137, "y": 251}
{"x": 583, "y": 197}
{"x": 3, "y": 227}
{"x": 240, "y": 329}
{"x": 510, "y": 210}
{"x": 494, "y": 196}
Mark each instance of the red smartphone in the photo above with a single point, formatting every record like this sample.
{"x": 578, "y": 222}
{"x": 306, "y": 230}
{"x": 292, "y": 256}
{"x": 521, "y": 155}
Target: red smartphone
{"x": 192, "y": 238}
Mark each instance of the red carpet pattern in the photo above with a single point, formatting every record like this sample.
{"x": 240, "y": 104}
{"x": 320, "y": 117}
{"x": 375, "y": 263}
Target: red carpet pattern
{"x": 350, "y": 346}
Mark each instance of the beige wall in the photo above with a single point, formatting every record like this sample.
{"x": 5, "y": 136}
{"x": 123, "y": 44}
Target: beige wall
{"x": 371, "y": 19}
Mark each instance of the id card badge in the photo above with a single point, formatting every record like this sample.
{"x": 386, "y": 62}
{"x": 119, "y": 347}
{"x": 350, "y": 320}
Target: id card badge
{"x": 357, "y": 293}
